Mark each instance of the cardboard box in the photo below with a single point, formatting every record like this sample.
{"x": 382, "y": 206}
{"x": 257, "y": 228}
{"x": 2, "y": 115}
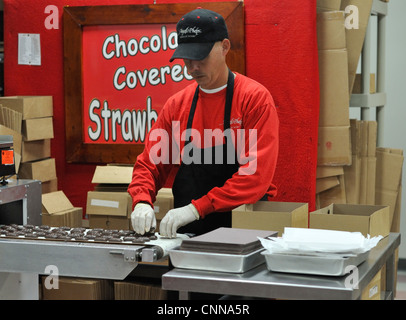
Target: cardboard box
{"x": 162, "y": 205}
{"x": 69, "y": 218}
{"x": 112, "y": 174}
{"x": 78, "y": 289}
{"x": 109, "y": 222}
{"x": 29, "y": 106}
{"x": 372, "y": 220}
{"x": 50, "y": 186}
{"x": 388, "y": 185}
{"x": 37, "y": 129}
{"x": 395, "y": 217}
{"x": 324, "y": 172}
{"x": 109, "y": 203}
{"x": 334, "y": 146}
{"x": 367, "y": 138}
{"x": 58, "y": 211}
{"x": 43, "y": 170}
{"x": 389, "y": 167}
{"x": 332, "y": 195}
{"x": 331, "y": 30}
{"x": 357, "y": 88}
{"x": 368, "y": 178}
{"x": 268, "y": 215}
{"x": 352, "y": 175}
{"x": 35, "y": 150}
{"x": 360, "y": 176}
{"x": 373, "y": 290}
{"x": 334, "y": 101}
{"x": 326, "y": 183}
{"x": 126, "y": 290}
{"x": 355, "y": 37}
{"x": 55, "y": 202}
{"x": 328, "y": 5}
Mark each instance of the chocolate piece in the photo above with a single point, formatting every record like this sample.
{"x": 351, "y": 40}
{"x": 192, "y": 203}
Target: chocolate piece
{"x": 12, "y": 234}
{"x": 80, "y": 238}
{"x": 130, "y": 238}
{"x": 100, "y": 238}
{"x": 30, "y": 235}
{"x": 51, "y": 236}
{"x": 40, "y": 234}
{"x": 76, "y": 235}
{"x": 126, "y": 232}
{"x": 142, "y": 239}
{"x": 63, "y": 237}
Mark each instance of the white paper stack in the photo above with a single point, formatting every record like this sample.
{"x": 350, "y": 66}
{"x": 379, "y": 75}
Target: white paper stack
{"x": 315, "y": 251}
{"x": 300, "y": 240}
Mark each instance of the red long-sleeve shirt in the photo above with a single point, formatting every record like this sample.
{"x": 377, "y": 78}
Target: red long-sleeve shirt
{"x": 252, "y": 108}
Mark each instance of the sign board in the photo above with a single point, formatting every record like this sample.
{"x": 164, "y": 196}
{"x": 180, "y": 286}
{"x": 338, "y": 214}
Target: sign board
{"x": 118, "y": 75}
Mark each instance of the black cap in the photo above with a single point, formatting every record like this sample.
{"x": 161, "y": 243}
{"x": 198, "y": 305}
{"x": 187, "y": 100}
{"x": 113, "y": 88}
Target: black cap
{"x": 197, "y": 31}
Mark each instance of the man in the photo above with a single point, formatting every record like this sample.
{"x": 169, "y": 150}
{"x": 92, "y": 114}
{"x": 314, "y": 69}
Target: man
{"x": 214, "y": 175}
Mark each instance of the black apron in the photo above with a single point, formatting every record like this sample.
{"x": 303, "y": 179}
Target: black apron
{"x": 195, "y": 180}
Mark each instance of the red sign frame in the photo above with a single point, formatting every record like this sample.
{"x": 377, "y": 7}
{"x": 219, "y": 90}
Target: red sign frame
{"x": 118, "y": 75}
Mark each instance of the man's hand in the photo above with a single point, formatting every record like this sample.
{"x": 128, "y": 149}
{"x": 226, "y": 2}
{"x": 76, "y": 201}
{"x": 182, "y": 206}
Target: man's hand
{"x": 143, "y": 218}
{"x": 177, "y": 218}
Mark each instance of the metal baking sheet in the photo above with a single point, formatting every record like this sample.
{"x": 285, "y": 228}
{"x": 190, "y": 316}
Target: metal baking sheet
{"x": 208, "y": 261}
{"x": 328, "y": 265}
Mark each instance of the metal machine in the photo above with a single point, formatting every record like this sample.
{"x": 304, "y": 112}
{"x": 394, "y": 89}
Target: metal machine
{"x": 23, "y": 259}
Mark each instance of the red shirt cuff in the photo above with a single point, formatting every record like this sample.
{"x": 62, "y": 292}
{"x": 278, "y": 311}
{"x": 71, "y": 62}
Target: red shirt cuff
{"x": 203, "y": 206}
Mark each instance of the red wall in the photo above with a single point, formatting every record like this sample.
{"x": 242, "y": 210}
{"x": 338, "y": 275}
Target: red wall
{"x": 281, "y": 53}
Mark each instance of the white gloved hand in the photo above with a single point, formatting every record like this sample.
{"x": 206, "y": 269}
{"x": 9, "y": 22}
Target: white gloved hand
{"x": 143, "y": 218}
{"x": 177, "y": 218}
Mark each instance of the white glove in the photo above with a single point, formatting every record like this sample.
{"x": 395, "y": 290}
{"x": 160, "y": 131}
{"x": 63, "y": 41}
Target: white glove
{"x": 143, "y": 218}
{"x": 177, "y": 218}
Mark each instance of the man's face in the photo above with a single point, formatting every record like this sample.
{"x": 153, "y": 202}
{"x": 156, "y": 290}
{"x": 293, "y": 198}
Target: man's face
{"x": 209, "y": 72}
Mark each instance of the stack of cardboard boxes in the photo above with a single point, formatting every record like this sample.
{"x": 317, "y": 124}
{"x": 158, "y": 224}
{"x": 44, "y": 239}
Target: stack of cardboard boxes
{"x": 109, "y": 205}
{"x": 388, "y": 187}
{"x": 360, "y": 176}
{"x": 30, "y": 121}
{"x": 340, "y": 45}
{"x": 77, "y": 289}
{"x": 37, "y": 132}
{"x": 359, "y": 172}
{"x": 334, "y": 124}
{"x": 72, "y": 288}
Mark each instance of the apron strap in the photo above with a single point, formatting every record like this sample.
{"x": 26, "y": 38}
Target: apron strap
{"x": 227, "y": 109}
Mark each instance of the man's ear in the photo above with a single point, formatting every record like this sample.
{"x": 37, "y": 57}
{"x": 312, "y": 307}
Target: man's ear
{"x": 226, "y": 46}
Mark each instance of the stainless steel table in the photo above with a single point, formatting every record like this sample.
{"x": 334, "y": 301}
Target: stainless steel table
{"x": 261, "y": 283}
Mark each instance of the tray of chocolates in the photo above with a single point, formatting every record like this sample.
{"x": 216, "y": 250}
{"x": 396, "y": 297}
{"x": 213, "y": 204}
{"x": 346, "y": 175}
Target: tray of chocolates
{"x": 79, "y": 234}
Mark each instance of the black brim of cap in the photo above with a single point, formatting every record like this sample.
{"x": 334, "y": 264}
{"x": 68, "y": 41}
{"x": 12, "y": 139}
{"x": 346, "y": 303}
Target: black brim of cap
{"x": 192, "y": 51}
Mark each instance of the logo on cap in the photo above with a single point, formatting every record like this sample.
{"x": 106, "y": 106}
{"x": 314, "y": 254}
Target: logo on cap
{"x": 190, "y": 32}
